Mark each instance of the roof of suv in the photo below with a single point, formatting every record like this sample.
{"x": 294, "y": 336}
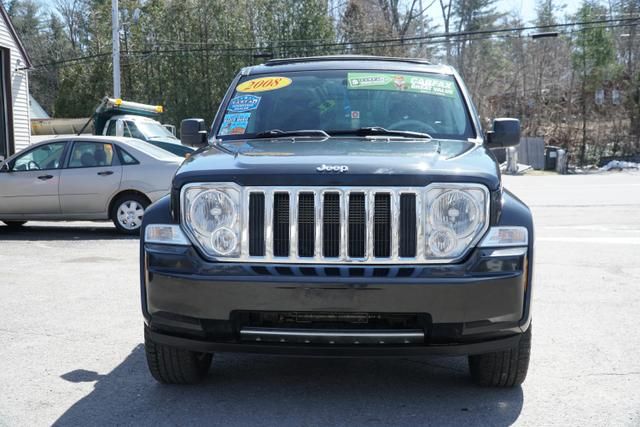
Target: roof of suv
{"x": 338, "y": 62}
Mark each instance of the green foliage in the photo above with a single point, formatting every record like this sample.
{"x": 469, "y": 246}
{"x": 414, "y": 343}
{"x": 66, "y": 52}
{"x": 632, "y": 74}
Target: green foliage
{"x": 594, "y": 55}
{"x": 179, "y": 53}
{"x": 184, "y": 53}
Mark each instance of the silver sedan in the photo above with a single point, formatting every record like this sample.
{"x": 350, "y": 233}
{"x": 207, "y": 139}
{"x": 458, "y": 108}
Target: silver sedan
{"x": 85, "y": 178}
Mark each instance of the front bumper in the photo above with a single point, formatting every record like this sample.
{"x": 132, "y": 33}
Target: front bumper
{"x": 454, "y": 349}
{"x": 477, "y": 306}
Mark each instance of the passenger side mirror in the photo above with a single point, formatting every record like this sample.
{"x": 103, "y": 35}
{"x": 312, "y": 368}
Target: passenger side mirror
{"x": 505, "y": 133}
{"x": 193, "y": 133}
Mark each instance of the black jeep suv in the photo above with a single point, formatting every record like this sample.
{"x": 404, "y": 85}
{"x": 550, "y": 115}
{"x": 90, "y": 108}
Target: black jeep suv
{"x": 340, "y": 206}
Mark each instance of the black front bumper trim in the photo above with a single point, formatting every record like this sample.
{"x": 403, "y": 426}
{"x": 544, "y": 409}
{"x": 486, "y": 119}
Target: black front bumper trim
{"x": 482, "y": 347}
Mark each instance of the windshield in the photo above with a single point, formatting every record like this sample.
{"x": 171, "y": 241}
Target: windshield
{"x": 154, "y": 130}
{"x": 342, "y": 102}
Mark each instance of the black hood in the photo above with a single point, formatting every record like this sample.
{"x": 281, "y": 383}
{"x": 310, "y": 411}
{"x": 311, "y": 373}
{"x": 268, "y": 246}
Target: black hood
{"x": 370, "y": 162}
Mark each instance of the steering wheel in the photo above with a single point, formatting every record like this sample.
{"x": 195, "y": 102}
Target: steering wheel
{"x": 412, "y": 125}
{"x": 31, "y": 165}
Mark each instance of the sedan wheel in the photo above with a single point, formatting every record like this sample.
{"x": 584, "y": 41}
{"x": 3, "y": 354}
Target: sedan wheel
{"x": 128, "y": 213}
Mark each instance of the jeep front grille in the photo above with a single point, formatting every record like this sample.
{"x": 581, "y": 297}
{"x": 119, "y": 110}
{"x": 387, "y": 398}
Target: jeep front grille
{"x": 313, "y": 225}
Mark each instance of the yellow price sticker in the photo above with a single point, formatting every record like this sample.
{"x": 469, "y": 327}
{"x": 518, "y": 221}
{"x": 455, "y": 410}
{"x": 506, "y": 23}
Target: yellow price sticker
{"x": 264, "y": 84}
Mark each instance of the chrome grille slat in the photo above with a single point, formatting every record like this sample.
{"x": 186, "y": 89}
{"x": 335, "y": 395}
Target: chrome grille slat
{"x": 307, "y": 224}
{"x": 370, "y": 211}
{"x": 294, "y": 198}
{"x": 268, "y": 224}
{"x": 395, "y": 224}
{"x": 344, "y": 221}
{"x": 420, "y": 202}
{"x": 318, "y": 205}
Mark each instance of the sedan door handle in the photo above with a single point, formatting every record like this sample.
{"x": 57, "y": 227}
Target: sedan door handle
{"x": 45, "y": 177}
{"x": 105, "y": 173}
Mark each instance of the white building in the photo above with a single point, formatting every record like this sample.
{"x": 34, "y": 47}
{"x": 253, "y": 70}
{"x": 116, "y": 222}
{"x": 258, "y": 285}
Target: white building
{"x": 15, "y": 128}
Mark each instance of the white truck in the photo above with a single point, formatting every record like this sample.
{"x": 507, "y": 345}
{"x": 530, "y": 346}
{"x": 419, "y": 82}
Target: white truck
{"x": 115, "y": 117}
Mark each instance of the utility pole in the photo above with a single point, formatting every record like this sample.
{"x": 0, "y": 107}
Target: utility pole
{"x": 115, "y": 32}
{"x": 583, "y": 148}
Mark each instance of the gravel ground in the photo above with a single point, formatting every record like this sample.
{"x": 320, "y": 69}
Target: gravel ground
{"x": 71, "y": 333}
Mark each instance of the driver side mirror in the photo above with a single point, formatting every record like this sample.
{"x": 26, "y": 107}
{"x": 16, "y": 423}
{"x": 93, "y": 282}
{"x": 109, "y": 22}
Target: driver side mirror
{"x": 505, "y": 133}
{"x": 193, "y": 133}
{"x": 4, "y": 167}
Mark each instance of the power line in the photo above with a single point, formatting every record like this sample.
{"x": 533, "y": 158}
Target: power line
{"x": 287, "y": 46}
{"x": 453, "y": 37}
{"x": 66, "y": 61}
{"x": 323, "y": 43}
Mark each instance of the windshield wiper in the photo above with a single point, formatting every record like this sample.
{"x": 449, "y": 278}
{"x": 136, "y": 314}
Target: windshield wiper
{"x": 378, "y": 130}
{"x": 277, "y": 133}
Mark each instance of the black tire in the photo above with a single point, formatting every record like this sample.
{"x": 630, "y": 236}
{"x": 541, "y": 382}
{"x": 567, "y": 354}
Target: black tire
{"x": 14, "y": 224}
{"x": 503, "y": 368}
{"x": 131, "y": 199}
{"x": 171, "y": 365}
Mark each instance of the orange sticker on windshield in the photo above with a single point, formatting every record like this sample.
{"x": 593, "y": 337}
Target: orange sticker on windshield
{"x": 264, "y": 84}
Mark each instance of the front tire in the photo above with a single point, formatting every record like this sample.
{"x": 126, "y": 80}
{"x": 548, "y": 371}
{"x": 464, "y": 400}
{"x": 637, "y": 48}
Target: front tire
{"x": 14, "y": 224}
{"x": 127, "y": 213}
{"x": 171, "y": 365}
{"x": 503, "y": 368}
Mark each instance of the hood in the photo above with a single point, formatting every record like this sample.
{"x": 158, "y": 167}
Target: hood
{"x": 167, "y": 139}
{"x": 370, "y": 162}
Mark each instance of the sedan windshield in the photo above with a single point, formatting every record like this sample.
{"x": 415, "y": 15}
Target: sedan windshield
{"x": 343, "y": 102}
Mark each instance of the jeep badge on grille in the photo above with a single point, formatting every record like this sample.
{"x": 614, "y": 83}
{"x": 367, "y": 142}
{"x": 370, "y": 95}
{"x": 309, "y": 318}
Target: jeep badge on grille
{"x": 333, "y": 168}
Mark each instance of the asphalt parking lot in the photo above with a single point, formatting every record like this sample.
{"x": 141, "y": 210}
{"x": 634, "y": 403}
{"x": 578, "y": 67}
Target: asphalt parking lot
{"x": 71, "y": 336}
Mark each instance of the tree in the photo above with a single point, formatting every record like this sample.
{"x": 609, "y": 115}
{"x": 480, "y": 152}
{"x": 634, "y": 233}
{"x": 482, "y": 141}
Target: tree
{"x": 594, "y": 58}
{"x": 446, "y": 7}
{"x": 186, "y": 64}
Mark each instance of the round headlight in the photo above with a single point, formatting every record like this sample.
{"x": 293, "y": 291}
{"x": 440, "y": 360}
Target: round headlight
{"x": 442, "y": 242}
{"x": 224, "y": 241}
{"x": 455, "y": 210}
{"x": 211, "y": 210}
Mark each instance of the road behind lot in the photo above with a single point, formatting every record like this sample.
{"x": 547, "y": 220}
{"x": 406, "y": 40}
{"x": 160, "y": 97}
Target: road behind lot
{"x": 71, "y": 333}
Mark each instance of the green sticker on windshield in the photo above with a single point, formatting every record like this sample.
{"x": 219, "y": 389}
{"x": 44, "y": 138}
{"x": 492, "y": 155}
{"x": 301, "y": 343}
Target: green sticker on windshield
{"x": 401, "y": 82}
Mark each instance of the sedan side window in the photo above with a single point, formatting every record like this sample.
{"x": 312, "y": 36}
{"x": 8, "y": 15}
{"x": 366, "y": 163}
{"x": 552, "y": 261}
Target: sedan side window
{"x": 48, "y": 156}
{"x": 91, "y": 154}
{"x": 126, "y": 158}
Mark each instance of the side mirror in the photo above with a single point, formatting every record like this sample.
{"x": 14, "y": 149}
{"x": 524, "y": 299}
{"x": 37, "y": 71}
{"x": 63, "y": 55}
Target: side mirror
{"x": 193, "y": 133}
{"x": 4, "y": 166}
{"x": 505, "y": 133}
